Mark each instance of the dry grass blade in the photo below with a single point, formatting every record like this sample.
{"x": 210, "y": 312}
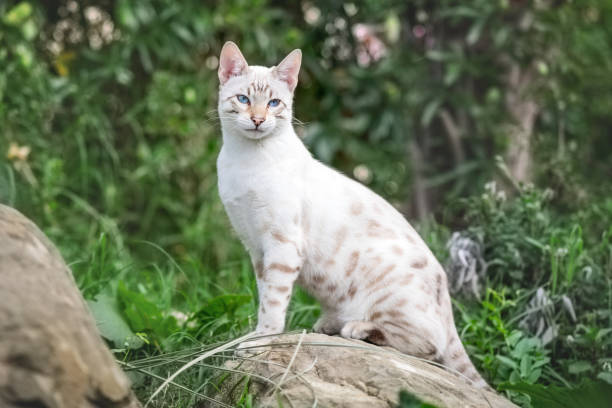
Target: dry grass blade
{"x": 205, "y": 397}
{"x": 197, "y": 360}
{"x": 297, "y": 348}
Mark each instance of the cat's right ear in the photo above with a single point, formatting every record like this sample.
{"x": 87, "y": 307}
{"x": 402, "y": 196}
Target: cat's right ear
{"x": 231, "y": 62}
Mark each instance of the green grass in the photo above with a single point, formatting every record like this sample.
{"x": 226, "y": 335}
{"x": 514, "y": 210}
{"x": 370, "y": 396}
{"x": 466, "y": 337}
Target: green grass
{"x": 167, "y": 305}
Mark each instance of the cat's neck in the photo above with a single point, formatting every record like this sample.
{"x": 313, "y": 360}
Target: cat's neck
{"x": 284, "y": 143}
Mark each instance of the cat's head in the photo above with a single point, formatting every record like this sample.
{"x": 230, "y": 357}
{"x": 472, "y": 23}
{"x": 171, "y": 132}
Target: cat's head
{"x": 255, "y": 101}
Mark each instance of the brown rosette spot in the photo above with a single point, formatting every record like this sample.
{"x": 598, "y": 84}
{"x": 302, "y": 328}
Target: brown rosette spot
{"x": 382, "y": 298}
{"x": 352, "y": 264}
{"x": 419, "y": 263}
{"x": 352, "y": 290}
{"x": 407, "y": 280}
{"x": 340, "y": 238}
{"x": 378, "y": 231}
{"x": 273, "y": 303}
{"x": 356, "y": 208}
{"x": 375, "y": 315}
{"x": 397, "y": 250}
{"x": 394, "y": 313}
{"x": 282, "y": 267}
{"x": 279, "y": 237}
{"x": 318, "y": 279}
{"x": 420, "y": 306}
{"x": 401, "y": 303}
{"x": 380, "y": 277}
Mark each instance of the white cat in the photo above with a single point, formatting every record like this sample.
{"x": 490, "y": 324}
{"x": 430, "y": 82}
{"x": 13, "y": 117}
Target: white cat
{"x": 304, "y": 222}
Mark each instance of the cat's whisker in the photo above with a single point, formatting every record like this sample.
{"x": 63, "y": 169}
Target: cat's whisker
{"x": 304, "y": 222}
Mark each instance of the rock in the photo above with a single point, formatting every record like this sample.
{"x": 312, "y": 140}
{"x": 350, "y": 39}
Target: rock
{"x": 348, "y": 373}
{"x": 51, "y": 354}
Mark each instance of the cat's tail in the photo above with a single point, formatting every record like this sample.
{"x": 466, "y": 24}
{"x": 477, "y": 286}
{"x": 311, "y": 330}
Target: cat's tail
{"x": 456, "y": 358}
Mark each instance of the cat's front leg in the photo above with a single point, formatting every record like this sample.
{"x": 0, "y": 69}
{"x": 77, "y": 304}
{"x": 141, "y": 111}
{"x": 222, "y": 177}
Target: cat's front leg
{"x": 275, "y": 275}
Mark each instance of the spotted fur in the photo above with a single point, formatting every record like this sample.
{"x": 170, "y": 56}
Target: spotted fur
{"x": 304, "y": 223}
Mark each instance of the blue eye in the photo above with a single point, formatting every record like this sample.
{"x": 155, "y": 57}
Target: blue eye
{"x": 273, "y": 102}
{"x": 242, "y": 99}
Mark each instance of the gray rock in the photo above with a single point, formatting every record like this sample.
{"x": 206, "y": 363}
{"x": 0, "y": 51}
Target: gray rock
{"x": 350, "y": 374}
{"x": 51, "y": 354}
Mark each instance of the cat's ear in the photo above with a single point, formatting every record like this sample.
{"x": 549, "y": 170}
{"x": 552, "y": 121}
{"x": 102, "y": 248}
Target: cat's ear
{"x": 289, "y": 68}
{"x": 231, "y": 62}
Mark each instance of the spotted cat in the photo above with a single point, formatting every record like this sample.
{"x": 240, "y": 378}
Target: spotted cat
{"x": 303, "y": 222}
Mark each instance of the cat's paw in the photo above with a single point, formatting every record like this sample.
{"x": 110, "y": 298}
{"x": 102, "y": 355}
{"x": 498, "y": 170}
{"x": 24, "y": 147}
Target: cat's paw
{"x": 253, "y": 347}
{"x": 327, "y": 325}
{"x": 358, "y": 330}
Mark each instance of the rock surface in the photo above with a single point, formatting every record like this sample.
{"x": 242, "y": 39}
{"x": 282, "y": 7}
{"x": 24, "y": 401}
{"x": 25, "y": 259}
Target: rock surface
{"x": 51, "y": 354}
{"x": 349, "y": 373}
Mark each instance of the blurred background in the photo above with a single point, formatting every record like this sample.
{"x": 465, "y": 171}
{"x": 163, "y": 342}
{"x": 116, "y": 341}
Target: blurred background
{"x": 491, "y": 118}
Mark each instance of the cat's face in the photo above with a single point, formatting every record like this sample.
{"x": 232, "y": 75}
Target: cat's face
{"x": 255, "y": 101}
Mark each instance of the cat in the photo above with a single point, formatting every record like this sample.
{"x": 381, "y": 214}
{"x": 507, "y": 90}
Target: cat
{"x": 303, "y": 222}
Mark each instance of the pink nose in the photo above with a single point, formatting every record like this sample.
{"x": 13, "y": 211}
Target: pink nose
{"x": 257, "y": 121}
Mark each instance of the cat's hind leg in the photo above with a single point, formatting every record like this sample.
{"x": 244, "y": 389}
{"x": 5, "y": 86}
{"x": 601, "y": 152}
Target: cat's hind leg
{"x": 362, "y": 330}
{"x": 418, "y": 343}
{"x": 328, "y": 324}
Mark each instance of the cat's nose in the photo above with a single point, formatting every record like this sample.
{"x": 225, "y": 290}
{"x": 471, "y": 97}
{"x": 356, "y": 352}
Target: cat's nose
{"x": 257, "y": 121}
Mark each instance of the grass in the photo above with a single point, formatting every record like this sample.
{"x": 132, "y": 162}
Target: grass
{"x": 542, "y": 315}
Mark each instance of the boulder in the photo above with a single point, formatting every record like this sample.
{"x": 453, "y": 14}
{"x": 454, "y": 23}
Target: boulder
{"x": 338, "y": 372}
{"x": 51, "y": 355}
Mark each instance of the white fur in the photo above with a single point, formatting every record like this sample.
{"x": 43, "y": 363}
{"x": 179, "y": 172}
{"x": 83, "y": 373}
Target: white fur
{"x": 292, "y": 211}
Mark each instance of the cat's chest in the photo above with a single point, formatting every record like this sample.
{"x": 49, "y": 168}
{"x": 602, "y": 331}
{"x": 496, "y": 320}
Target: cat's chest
{"x": 247, "y": 182}
{"x": 256, "y": 193}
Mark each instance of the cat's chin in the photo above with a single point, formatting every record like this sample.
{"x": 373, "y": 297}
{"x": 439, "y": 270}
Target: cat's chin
{"x": 254, "y": 134}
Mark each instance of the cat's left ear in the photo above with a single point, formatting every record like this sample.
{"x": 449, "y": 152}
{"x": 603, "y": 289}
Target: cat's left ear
{"x": 289, "y": 68}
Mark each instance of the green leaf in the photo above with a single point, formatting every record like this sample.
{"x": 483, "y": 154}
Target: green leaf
{"x": 430, "y": 110}
{"x": 111, "y": 324}
{"x": 18, "y": 14}
{"x": 605, "y": 376}
{"x": 579, "y": 366}
{"x": 589, "y": 394}
{"x": 453, "y": 70}
{"x": 222, "y": 305}
{"x": 475, "y": 32}
{"x": 144, "y": 315}
{"x": 507, "y": 361}
{"x": 407, "y": 400}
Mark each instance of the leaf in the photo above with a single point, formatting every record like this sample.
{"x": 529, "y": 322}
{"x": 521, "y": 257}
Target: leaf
{"x": 111, "y": 324}
{"x": 453, "y": 70}
{"x": 18, "y": 14}
{"x": 579, "y": 366}
{"x": 589, "y": 394}
{"x": 144, "y": 315}
{"x": 222, "y": 305}
{"x": 605, "y": 376}
{"x": 508, "y": 362}
{"x": 475, "y": 32}
{"x": 407, "y": 400}
{"x": 430, "y": 110}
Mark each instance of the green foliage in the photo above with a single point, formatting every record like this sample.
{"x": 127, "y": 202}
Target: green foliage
{"x": 112, "y": 324}
{"x": 407, "y": 400}
{"x": 588, "y": 394}
{"x": 108, "y": 141}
